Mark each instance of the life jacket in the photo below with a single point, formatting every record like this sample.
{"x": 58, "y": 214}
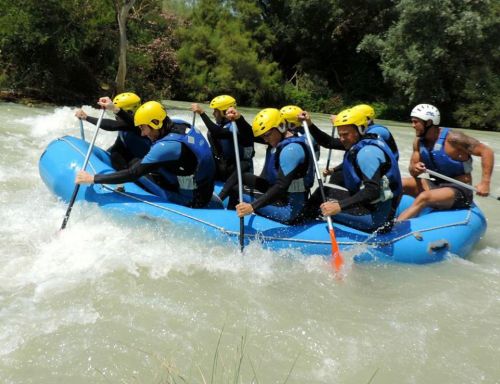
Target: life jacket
{"x": 205, "y": 168}
{"x": 299, "y": 131}
{"x": 389, "y": 140}
{"x": 137, "y": 145}
{"x": 224, "y": 147}
{"x": 391, "y": 187}
{"x": 438, "y": 160}
{"x": 304, "y": 179}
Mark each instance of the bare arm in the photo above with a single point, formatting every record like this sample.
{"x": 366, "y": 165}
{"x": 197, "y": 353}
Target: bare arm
{"x": 474, "y": 147}
{"x": 416, "y": 166}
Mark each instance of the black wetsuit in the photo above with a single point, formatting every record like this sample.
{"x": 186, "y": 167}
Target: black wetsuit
{"x": 121, "y": 156}
{"x": 359, "y": 208}
{"x": 187, "y": 159}
{"x": 226, "y": 165}
{"x": 324, "y": 139}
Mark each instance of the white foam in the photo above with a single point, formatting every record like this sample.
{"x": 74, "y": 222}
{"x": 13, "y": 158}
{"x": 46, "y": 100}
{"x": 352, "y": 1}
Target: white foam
{"x": 160, "y": 287}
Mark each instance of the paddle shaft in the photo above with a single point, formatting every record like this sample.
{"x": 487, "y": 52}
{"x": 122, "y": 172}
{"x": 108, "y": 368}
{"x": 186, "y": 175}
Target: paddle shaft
{"x": 82, "y": 132}
{"x": 85, "y": 162}
{"x": 194, "y": 119}
{"x": 337, "y": 259}
{"x": 329, "y": 154}
{"x": 451, "y": 180}
{"x": 240, "y": 181}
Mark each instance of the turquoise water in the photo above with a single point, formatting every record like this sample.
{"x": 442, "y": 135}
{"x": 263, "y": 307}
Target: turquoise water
{"x": 133, "y": 300}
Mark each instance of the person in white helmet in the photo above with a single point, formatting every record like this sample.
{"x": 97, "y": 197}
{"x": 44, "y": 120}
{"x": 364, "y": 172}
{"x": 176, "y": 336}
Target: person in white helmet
{"x": 447, "y": 152}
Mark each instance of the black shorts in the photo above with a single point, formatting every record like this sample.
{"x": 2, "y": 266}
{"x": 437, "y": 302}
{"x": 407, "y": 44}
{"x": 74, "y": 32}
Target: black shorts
{"x": 463, "y": 196}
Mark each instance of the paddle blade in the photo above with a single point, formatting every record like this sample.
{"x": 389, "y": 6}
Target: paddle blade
{"x": 337, "y": 259}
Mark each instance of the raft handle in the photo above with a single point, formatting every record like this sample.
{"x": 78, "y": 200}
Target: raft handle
{"x": 438, "y": 245}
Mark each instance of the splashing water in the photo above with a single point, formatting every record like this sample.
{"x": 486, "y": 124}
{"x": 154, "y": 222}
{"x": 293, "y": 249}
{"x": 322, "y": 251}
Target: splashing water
{"x": 115, "y": 299}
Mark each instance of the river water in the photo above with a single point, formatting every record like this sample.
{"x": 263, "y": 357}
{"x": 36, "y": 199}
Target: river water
{"x": 114, "y": 300}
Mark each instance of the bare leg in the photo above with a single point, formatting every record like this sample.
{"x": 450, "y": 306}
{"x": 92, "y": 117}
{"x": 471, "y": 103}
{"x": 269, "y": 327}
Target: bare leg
{"x": 413, "y": 186}
{"x": 441, "y": 198}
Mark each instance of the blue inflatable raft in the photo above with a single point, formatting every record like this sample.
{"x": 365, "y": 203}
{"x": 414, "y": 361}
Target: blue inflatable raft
{"x": 425, "y": 239}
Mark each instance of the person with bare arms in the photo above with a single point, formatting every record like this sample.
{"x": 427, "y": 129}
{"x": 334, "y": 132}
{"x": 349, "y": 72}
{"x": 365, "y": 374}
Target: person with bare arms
{"x": 447, "y": 152}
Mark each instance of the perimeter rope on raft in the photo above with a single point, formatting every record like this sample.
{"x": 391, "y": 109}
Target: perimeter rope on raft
{"x": 259, "y": 235}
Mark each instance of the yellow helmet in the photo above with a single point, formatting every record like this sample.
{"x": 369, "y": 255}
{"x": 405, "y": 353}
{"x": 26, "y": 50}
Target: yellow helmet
{"x": 127, "y": 101}
{"x": 266, "y": 120}
{"x": 223, "y": 102}
{"x": 150, "y": 112}
{"x": 352, "y": 116}
{"x": 289, "y": 114}
{"x": 366, "y": 109}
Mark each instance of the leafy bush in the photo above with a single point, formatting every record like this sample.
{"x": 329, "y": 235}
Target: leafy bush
{"x": 479, "y": 107}
{"x": 312, "y": 93}
{"x": 153, "y": 68}
{"x": 220, "y": 54}
{"x": 446, "y": 62}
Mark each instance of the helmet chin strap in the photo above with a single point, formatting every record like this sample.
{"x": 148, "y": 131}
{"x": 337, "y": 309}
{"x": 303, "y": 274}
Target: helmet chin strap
{"x": 361, "y": 130}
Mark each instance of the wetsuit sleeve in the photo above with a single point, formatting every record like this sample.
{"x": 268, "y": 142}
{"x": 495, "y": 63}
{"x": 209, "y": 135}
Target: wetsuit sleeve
{"x": 106, "y": 124}
{"x": 291, "y": 157}
{"x": 245, "y": 132}
{"x": 324, "y": 139}
{"x": 162, "y": 152}
{"x": 215, "y": 130}
{"x": 126, "y": 118}
{"x": 259, "y": 140}
{"x": 130, "y": 174}
{"x": 370, "y": 160}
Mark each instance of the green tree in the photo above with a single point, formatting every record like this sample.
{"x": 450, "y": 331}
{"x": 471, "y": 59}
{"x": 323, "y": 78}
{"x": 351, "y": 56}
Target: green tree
{"x": 444, "y": 52}
{"x": 68, "y": 50}
{"x": 153, "y": 44}
{"x": 53, "y": 51}
{"x": 318, "y": 40}
{"x": 220, "y": 53}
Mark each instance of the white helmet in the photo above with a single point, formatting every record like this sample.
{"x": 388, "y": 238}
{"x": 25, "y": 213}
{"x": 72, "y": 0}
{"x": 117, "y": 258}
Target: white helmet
{"x": 427, "y": 112}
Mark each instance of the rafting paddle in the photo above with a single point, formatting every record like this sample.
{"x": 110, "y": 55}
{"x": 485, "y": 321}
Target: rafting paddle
{"x": 329, "y": 155}
{"x": 85, "y": 162}
{"x": 234, "y": 130}
{"x": 82, "y": 132}
{"x": 451, "y": 180}
{"x": 337, "y": 259}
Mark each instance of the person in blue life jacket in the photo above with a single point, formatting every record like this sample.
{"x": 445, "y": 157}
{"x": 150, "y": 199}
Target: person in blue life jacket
{"x": 370, "y": 176}
{"x": 129, "y": 145}
{"x": 323, "y": 139}
{"x": 220, "y": 137}
{"x": 372, "y": 129}
{"x": 447, "y": 152}
{"x": 290, "y": 115}
{"x": 282, "y": 188}
{"x": 180, "y": 159}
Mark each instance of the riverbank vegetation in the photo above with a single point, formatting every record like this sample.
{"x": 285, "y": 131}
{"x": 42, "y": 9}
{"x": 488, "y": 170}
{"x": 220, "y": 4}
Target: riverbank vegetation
{"x": 320, "y": 54}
